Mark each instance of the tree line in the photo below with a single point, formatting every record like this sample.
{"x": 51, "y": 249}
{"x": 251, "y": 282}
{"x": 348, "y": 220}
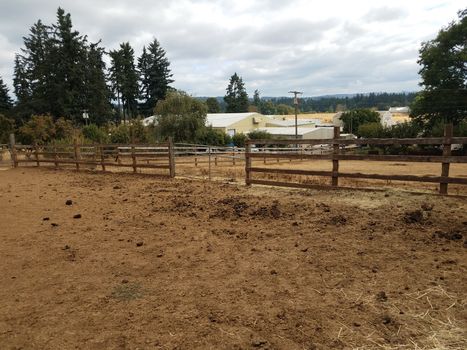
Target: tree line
{"x": 58, "y": 72}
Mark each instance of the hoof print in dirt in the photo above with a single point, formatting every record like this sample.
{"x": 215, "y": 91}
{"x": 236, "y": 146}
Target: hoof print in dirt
{"x": 381, "y": 296}
{"x": 77, "y": 216}
{"x": 415, "y": 217}
{"x": 68, "y": 202}
{"x": 54, "y": 224}
{"x": 139, "y": 244}
{"x": 46, "y": 219}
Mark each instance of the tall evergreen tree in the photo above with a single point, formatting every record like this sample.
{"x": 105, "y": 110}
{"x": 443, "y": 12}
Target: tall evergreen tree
{"x": 236, "y": 97}
{"x": 6, "y": 102}
{"x": 53, "y": 72}
{"x": 124, "y": 79}
{"x": 155, "y": 76}
{"x": 116, "y": 77}
{"x": 21, "y": 84}
{"x": 69, "y": 59}
{"x": 97, "y": 96}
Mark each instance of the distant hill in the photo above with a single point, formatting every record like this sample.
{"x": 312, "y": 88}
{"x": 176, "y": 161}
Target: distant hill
{"x": 335, "y": 102}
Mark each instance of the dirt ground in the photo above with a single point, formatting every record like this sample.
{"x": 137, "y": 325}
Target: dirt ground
{"x": 122, "y": 261}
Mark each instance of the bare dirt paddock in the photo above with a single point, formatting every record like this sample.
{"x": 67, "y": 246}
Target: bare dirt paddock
{"x": 154, "y": 263}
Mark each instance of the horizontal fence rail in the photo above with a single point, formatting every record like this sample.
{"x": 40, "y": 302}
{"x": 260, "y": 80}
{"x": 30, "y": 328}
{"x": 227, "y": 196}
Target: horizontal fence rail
{"x": 135, "y": 156}
{"x": 337, "y": 154}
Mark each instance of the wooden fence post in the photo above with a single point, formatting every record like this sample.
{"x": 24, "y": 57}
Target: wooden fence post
{"x": 101, "y": 150}
{"x": 247, "y": 164}
{"x": 55, "y": 157}
{"x": 233, "y": 156}
{"x": 172, "y": 157}
{"x": 76, "y": 151}
{"x": 443, "y": 185}
{"x": 335, "y": 161}
{"x": 209, "y": 163}
{"x": 36, "y": 152}
{"x": 14, "y": 155}
{"x": 133, "y": 158}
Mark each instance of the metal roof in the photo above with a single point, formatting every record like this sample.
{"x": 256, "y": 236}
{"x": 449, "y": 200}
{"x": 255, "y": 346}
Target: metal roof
{"x": 288, "y": 131}
{"x": 223, "y": 120}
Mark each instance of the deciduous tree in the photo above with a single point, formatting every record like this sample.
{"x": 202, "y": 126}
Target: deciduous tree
{"x": 444, "y": 76}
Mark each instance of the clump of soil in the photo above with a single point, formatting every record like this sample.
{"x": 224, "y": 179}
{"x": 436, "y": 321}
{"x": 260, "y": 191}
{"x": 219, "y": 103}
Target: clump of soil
{"x": 452, "y": 235}
{"x": 415, "y": 217}
{"x": 338, "y": 220}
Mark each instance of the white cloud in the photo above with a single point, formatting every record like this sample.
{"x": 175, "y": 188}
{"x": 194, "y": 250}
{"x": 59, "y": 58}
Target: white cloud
{"x": 319, "y": 47}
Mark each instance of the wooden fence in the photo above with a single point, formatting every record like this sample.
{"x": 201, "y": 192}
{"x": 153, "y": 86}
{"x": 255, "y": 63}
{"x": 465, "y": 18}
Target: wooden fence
{"x": 337, "y": 155}
{"x": 135, "y": 156}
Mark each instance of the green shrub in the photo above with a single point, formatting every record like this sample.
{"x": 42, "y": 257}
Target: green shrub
{"x": 371, "y": 130}
{"x": 39, "y": 129}
{"x": 95, "y": 134}
{"x": 120, "y": 134}
{"x": 239, "y": 139}
{"x": 210, "y": 136}
{"x": 7, "y": 126}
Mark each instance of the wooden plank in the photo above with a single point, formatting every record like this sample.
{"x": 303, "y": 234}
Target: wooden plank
{"x": 291, "y": 171}
{"x": 443, "y": 186}
{"x": 415, "y": 178}
{"x": 335, "y": 159}
{"x": 372, "y": 141}
{"x": 85, "y": 162}
{"x": 372, "y": 157}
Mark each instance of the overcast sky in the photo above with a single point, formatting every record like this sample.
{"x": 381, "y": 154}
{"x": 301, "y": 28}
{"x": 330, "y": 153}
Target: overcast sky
{"x": 316, "y": 46}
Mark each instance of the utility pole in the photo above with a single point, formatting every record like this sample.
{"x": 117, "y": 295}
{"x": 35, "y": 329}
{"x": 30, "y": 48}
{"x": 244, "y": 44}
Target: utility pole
{"x": 295, "y": 102}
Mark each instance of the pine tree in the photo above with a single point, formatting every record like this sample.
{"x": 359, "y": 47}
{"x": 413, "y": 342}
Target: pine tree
{"x": 129, "y": 80}
{"x": 155, "y": 76}
{"x": 116, "y": 77}
{"x": 97, "y": 93}
{"x": 236, "y": 97}
{"x": 144, "y": 62}
{"x": 21, "y": 84}
{"x": 6, "y": 102}
{"x": 69, "y": 60}
{"x": 59, "y": 73}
